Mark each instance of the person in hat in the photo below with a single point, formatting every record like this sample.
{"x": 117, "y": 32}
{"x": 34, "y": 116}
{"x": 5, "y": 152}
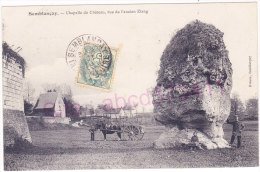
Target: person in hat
{"x": 237, "y": 128}
{"x": 194, "y": 142}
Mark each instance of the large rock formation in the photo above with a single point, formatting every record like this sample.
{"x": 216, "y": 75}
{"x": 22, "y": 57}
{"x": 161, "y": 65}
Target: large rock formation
{"x": 193, "y": 87}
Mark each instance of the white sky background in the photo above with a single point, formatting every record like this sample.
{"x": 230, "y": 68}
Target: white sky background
{"x": 142, "y": 38}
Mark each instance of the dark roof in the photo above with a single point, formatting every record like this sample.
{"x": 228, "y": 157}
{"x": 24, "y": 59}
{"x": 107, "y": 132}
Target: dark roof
{"x": 9, "y": 53}
{"x": 46, "y": 101}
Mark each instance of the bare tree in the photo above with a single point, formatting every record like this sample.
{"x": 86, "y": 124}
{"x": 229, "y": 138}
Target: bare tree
{"x": 102, "y": 109}
{"x": 28, "y": 94}
{"x": 49, "y": 87}
{"x": 63, "y": 89}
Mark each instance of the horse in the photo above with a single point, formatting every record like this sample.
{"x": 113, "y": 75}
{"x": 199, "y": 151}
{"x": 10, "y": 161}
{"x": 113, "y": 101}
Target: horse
{"x": 110, "y": 129}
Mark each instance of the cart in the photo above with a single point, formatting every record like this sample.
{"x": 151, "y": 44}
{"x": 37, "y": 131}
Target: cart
{"x": 128, "y": 129}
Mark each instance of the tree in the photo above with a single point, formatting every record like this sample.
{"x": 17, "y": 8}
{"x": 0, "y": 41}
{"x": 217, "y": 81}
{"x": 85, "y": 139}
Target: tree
{"x": 90, "y": 109}
{"x": 48, "y": 87}
{"x": 237, "y": 107}
{"x": 130, "y": 107}
{"x": 87, "y": 110}
{"x": 72, "y": 109}
{"x": 252, "y": 109}
{"x": 101, "y": 109}
{"x": 28, "y": 107}
{"x": 28, "y": 93}
{"x": 63, "y": 89}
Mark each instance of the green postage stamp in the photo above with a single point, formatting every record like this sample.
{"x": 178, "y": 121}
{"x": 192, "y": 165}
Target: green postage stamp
{"x": 94, "y": 61}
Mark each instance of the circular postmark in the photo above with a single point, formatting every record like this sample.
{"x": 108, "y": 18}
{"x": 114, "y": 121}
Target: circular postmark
{"x": 93, "y": 60}
{"x": 93, "y": 48}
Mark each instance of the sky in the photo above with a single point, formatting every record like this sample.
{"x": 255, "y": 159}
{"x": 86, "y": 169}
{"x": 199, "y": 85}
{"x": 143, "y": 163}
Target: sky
{"x": 140, "y": 39}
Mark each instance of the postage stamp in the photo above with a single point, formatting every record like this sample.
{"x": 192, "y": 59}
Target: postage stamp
{"x": 94, "y": 61}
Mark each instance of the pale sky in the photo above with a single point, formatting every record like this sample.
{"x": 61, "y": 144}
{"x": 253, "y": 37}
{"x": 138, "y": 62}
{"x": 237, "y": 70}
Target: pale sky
{"x": 140, "y": 37}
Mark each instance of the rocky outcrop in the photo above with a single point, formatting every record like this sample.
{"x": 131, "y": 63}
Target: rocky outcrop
{"x": 193, "y": 86}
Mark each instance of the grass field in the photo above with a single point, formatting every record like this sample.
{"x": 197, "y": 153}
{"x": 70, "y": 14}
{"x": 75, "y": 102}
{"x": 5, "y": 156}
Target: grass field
{"x": 72, "y": 149}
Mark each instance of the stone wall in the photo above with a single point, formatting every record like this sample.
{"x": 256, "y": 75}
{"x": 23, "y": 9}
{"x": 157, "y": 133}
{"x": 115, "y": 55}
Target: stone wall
{"x": 12, "y": 84}
{"x": 15, "y": 124}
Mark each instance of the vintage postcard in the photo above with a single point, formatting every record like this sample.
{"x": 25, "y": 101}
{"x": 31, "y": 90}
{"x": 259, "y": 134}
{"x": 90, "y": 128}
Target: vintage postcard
{"x": 130, "y": 86}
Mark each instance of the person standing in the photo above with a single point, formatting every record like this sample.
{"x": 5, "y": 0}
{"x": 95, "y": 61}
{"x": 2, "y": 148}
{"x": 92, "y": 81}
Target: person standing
{"x": 92, "y": 134}
{"x": 236, "y": 131}
{"x": 91, "y": 130}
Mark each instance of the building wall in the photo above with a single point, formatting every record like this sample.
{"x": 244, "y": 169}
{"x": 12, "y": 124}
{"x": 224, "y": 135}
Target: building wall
{"x": 59, "y": 110}
{"x": 15, "y": 124}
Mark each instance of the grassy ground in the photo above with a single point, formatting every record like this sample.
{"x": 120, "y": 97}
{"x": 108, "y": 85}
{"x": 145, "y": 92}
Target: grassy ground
{"x": 72, "y": 149}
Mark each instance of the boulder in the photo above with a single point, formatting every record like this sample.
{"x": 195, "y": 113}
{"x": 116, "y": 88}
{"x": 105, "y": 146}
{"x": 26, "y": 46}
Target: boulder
{"x": 193, "y": 87}
{"x": 175, "y": 138}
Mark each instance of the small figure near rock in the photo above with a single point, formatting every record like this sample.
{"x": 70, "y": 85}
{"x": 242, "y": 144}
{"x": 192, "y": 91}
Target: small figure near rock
{"x": 194, "y": 144}
{"x": 238, "y": 127}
